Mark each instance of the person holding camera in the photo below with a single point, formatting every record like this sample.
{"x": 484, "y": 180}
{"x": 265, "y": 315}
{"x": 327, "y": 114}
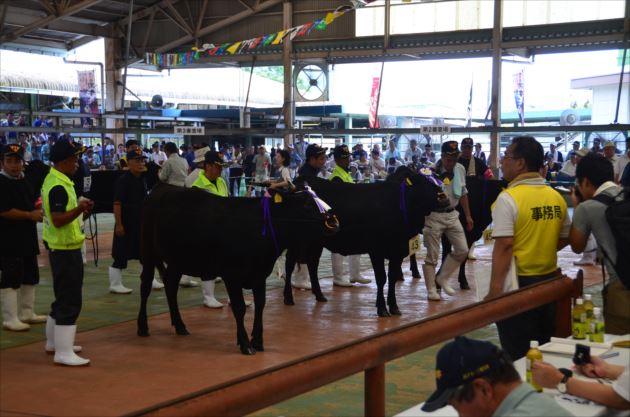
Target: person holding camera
{"x": 63, "y": 238}
{"x": 616, "y": 395}
{"x": 445, "y": 220}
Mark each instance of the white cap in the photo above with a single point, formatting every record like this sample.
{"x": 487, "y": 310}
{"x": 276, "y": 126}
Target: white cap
{"x": 588, "y": 297}
{"x": 579, "y": 301}
{"x": 533, "y": 344}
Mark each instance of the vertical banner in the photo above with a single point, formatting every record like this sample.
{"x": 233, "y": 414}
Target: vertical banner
{"x": 87, "y": 96}
{"x": 376, "y": 84}
{"x": 519, "y": 95}
{"x": 469, "y": 109}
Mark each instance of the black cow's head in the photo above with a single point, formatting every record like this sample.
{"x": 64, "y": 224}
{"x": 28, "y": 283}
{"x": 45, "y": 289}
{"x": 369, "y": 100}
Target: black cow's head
{"x": 417, "y": 193}
{"x": 35, "y": 173}
{"x": 306, "y": 208}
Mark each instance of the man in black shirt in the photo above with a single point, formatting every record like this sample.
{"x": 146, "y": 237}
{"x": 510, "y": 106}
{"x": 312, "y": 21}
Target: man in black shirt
{"x": 18, "y": 247}
{"x": 129, "y": 194}
{"x": 478, "y": 168}
{"x": 315, "y": 160}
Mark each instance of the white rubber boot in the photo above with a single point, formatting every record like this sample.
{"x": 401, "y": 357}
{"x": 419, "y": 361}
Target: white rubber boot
{"x": 355, "y": 270}
{"x": 449, "y": 266}
{"x": 429, "y": 281}
{"x": 188, "y": 281}
{"x": 64, "y": 343}
{"x": 115, "y": 282}
{"x": 207, "y": 288}
{"x": 337, "y": 269}
{"x": 27, "y": 301}
{"x": 10, "y": 320}
{"x": 471, "y": 253}
{"x": 50, "y": 337}
{"x": 301, "y": 278}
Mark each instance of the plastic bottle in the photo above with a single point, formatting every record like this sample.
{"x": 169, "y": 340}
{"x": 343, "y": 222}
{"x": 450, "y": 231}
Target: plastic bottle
{"x": 588, "y": 307}
{"x": 579, "y": 320}
{"x": 533, "y": 354}
{"x": 597, "y": 328}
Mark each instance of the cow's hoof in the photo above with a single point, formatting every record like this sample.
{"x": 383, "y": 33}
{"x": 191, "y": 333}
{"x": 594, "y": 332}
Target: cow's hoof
{"x": 143, "y": 332}
{"x": 258, "y": 346}
{"x": 401, "y": 278}
{"x": 321, "y": 298}
{"x": 289, "y": 302}
{"x": 248, "y": 350}
{"x": 382, "y": 312}
{"x": 395, "y": 311}
{"x": 182, "y": 331}
{"x": 464, "y": 285}
{"x": 416, "y": 276}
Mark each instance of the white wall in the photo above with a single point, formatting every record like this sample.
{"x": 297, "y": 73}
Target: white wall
{"x": 605, "y": 101}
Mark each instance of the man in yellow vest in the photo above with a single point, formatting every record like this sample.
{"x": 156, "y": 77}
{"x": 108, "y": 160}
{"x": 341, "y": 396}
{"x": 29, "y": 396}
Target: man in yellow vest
{"x": 341, "y": 174}
{"x": 530, "y": 224}
{"x": 63, "y": 239}
{"x": 210, "y": 180}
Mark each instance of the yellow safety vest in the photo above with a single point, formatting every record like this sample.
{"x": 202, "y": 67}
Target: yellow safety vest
{"x": 541, "y": 212}
{"x": 203, "y": 182}
{"x": 69, "y": 236}
{"x": 341, "y": 173}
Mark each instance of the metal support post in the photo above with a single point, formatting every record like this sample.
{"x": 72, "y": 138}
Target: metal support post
{"x": 287, "y": 46}
{"x": 497, "y": 38}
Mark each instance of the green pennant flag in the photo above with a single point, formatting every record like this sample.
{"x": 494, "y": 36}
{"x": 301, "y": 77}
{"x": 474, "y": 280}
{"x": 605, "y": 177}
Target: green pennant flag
{"x": 269, "y": 39}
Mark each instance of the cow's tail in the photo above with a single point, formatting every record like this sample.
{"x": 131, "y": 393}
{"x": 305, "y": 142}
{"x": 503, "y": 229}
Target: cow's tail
{"x": 149, "y": 263}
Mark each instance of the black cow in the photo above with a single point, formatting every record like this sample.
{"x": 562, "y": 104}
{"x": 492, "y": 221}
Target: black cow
{"x": 372, "y": 218}
{"x": 482, "y": 194}
{"x": 196, "y": 233}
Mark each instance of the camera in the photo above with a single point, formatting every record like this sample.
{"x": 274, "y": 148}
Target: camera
{"x": 582, "y": 354}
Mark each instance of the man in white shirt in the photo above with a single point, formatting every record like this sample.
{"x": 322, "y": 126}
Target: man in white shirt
{"x": 175, "y": 170}
{"x": 609, "y": 152}
{"x": 157, "y": 156}
{"x": 620, "y": 165}
{"x": 413, "y": 151}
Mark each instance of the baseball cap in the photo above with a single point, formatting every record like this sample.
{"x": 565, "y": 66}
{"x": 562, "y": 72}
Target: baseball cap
{"x": 610, "y": 144}
{"x": 341, "y": 152}
{"x": 583, "y": 152}
{"x": 467, "y": 142}
{"x": 314, "y": 150}
{"x": 213, "y": 157}
{"x": 450, "y": 148}
{"x": 13, "y": 150}
{"x": 64, "y": 149}
{"x": 135, "y": 154}
{"x": 458, "y": 363}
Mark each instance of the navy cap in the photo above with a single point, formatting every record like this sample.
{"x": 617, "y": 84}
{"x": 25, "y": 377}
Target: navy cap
{"x": 13, "y": 150}
{"x": 450, "y": 148}
{"x": 341, "y": 152}
{"x": 458, "y": 363}
{"x": 64, "y": 149}
{"x": 314, "y": 150}
{"x": 213, "y": 157}
{"x": 136, "y": 154}
{"x": 467, "y": 142}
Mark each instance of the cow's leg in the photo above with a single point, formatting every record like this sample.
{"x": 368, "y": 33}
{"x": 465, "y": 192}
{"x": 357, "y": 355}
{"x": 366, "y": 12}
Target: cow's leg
{"x": 313, "y": 266}
{"x": 413, "y": 264}
{"x": 394, "y": 268}
{"x": 237, "y": 302}
{"x": 291, "y": 260}
{"x": 171, "y": 285}
{"x": 260, "y": 294}
{"x": 146, "y": 278}
{"x": 378, "y": 265}
{"x": 463, "y": 282}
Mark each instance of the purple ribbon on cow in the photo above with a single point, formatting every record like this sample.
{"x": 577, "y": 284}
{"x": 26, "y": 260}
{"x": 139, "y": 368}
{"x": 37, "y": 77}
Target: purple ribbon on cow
{"x": 430, "y": 176}
{"x": 265, "y": 202}
{"x": 403, "y": 201}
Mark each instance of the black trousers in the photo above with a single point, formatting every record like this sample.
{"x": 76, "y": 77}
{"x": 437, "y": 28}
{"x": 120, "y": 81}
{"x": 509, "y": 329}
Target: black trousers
{"x": 538, "y": 324}
{"x": 67, "y": 272}
{"x": 17, "y": 271}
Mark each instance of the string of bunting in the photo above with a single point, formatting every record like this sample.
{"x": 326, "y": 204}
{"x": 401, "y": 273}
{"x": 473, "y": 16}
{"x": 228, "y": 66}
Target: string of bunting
{"x": 250, "y": 45}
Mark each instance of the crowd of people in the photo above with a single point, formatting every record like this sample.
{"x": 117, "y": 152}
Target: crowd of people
{"x": 531, "y": 223}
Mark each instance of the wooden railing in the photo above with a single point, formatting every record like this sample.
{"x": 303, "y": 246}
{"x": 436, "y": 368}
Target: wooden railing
{"x": 370, "y": 354}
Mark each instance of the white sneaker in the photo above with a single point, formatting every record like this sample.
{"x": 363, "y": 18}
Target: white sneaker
{"x": 212, "y": 302}
{"x": 188, "y": 282}
{"x": 433, "y": 295}
{"x": 156, "y": 285}
{"x": 361, "y": 280}
{"x": 342, "y": 282}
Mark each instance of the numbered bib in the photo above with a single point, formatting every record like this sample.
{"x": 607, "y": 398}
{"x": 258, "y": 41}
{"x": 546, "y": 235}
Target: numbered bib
{"x": 414, "y": 245}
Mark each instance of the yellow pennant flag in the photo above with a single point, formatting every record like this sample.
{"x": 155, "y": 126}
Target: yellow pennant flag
{"x": 278, "y": 38}
{"x": 233, "y": 48}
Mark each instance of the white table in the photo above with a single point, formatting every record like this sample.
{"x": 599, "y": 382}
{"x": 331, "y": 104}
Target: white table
{"x": 588, "y": 409}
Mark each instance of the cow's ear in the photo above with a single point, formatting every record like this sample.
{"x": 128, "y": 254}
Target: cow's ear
{"x": 409, "y": 183}
{"x": 277, "y": 198}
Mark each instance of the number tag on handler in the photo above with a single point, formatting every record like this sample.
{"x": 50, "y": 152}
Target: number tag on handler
{"x": 414, "y": 245}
